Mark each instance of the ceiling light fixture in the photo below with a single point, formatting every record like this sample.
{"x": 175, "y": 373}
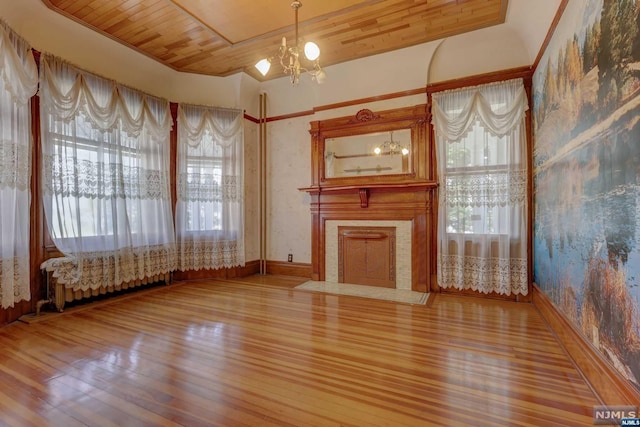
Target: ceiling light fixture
{"x": 289, "y": 57}
{"x": 390, "y": 147}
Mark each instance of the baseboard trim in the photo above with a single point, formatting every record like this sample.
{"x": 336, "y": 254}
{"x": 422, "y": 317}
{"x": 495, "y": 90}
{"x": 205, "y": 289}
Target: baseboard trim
{"x": 605, "y": 381}
{"x": 250, "y": 267}
{"x": 297, "y": 269}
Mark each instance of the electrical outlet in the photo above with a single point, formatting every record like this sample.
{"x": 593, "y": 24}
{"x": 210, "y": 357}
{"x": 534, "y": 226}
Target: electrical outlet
{"x": 290, "y": 258}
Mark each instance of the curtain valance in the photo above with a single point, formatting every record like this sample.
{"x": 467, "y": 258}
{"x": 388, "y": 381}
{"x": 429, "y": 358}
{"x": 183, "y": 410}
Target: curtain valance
{"x": 106, "y": 104}
{"x": 499, "y": 112}
{"x": 224, "y": 125}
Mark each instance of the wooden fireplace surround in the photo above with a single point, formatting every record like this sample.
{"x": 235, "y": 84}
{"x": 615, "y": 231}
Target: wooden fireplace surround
{"x": 399, "y": 197}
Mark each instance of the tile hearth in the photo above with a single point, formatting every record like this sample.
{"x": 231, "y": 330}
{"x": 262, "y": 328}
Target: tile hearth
{"x": 397, "y": 295}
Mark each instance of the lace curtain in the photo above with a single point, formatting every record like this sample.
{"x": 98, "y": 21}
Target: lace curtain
{"x": 210, "y": 208}
{"x": 482, "y": 164}
{"x": 18, "y": 83}
{"x": 105, "y": 177}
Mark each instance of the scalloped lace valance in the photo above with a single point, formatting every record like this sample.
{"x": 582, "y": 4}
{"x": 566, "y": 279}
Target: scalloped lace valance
{"x": 225, "y": 126}
{"x": 69, "y": 91}
{"x": 499, "y": 112}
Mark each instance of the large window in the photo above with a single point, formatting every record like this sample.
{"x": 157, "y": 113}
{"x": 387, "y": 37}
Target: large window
{"x": 203, "y": 181}
{"x": 482, "y": 167}
{"x": 476, "y": 171}
{"x": 79, "y": 147}
{"x": 210, "y": 207}
{"x": 105, "y": 180}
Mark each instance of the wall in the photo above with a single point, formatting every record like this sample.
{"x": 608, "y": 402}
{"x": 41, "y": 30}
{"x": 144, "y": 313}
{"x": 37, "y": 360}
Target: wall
{"x": 587, "y": 179}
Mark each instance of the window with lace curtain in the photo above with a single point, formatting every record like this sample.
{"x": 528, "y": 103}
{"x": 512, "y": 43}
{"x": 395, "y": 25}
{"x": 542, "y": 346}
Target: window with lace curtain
{"x": 210, "y": 205}
{"x": 482, "y": 167}
{"x": 476, "y": 162}
{"x": 82, "y": 146}
{"x": 204, "y": 172}
{"x": 105, "y": 178}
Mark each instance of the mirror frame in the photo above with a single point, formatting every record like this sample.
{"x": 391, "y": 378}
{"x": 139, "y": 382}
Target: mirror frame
{"x": 415, "y": 118}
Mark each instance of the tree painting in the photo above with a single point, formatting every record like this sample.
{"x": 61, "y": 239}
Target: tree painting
{"x": 586, "y": 124}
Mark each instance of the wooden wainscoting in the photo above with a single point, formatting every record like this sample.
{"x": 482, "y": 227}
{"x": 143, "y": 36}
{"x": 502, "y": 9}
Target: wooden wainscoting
{"x": 612, "y": 388}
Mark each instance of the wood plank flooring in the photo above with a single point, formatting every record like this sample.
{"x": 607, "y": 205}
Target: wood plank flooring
{"x": 256, "y": 352}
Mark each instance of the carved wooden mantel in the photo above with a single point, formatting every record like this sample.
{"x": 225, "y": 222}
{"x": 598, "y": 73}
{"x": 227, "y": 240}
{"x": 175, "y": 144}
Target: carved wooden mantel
{"x": 399, "y": 197}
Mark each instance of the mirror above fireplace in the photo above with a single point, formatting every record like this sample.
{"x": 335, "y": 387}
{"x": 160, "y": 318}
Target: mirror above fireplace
{"x": 386, "y": 147}
{"x": 376, "y": 153}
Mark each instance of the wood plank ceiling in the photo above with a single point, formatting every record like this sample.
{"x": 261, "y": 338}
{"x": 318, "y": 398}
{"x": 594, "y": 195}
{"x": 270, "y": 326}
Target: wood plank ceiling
{"x": 223, "y": 37}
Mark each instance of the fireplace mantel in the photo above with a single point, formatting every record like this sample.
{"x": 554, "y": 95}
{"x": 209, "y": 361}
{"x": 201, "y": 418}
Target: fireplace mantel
{"x": 364, "y": 191}
{"x": 404, "y": 197}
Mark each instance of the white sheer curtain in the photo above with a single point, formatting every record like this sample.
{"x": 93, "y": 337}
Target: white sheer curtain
{"x": 210, "y": 208}
{"x": 482, "y": 165}
{"x": 105, "y": 178}
{"x": 18, "y": 83}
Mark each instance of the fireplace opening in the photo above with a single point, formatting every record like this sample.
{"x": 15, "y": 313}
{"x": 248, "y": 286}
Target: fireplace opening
{"x": 367, "y": 256}
{"x": 400, "y": 265}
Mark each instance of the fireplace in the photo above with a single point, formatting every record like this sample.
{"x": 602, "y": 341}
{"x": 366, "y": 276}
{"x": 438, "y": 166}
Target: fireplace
{"x": 394, "y": 262}
{"x": 386, "y": 214}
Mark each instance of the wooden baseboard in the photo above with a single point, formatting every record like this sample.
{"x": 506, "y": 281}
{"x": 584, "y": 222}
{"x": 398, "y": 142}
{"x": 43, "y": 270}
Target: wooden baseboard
{"x": 610, "y": 387}
{"x": 297, "y": 269}
{"x": 251, "y": 267}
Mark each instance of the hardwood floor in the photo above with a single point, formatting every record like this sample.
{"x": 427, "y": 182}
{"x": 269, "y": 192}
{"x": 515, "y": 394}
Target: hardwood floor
{"x": 255, "y": 352}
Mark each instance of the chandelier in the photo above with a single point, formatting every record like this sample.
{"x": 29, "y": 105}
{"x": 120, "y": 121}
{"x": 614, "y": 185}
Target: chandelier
{"x": 289, "y": 57}
{"x": 390, "y": 148}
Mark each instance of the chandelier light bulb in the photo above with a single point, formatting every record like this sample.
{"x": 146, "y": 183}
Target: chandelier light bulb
{"x": 311, "y": 51}
{"x": 377, "y": 150}
{"x": 405, "y": 151}
{"x": 263, "y": 66}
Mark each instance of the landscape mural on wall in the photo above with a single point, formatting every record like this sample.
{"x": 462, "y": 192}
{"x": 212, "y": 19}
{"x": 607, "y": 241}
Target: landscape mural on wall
{"x": 586, "y": 124}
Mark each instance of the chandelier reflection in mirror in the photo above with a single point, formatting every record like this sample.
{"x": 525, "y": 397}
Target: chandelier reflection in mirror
{"x": 289, "y": 57}
{"x": 390, "y": 148}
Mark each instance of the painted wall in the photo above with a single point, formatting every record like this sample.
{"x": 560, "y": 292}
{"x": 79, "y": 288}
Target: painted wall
{"x": 587, "y": 175}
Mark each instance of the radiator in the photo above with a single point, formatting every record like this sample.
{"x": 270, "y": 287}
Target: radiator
{"x": 59, "y": 294}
